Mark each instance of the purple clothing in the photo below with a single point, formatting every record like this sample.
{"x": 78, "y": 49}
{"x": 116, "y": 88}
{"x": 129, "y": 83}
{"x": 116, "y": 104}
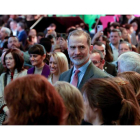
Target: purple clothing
{"x": 45, "y": 71}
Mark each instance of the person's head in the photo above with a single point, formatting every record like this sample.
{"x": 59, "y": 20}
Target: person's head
{"x": 57, "y": 48}
{"x": 13, "y": 42}
{"x": 52, "y": 39}
{"x": 129, "y": 28}
{"x": 128, "y": 61}
{"x": 13, "y": 59}
{"x": 79, "y": 47}
{"x": 134, "y": 25}
{"x": 104, "y": 102}
{"x": 99, "y": 46}
{"x": 58, "y": 63}
{"x": 39, "y": 36}
{"x": 115, "y": 36}
{"x": 53, "y": 26}
{"x": 47, "y": 44}
{"x": 20, "y": 26}
{"x": 73, "y": 101}
{"x": 32, "y": 32}
{"x": 37, "y": 54}
{"x": 37, "y": 104}
{"x": 4, "y": 32}
{"x": 114, "y": 25}
{"x": 126, "y": 88}
{"x": 13, "y": 25}
{"x": 97, "y": 59}
{"x": 124, "y": 33}
{"x": 134, "y": 79}
{"x": 124, "y": 46}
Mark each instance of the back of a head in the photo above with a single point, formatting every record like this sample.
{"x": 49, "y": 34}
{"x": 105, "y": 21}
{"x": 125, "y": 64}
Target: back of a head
{"x": 134, "y": 79}
{"x": 46, "y": 43}
{"x": 129, "y": 61}
{"x": 73, "y": 101}
{"x": 107, "y": 96}
{"x": 37, "y": 104}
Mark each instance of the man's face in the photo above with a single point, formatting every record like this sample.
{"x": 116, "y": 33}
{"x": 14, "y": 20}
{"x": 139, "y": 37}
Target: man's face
{"x": 123, "y": 48}
{"x": 96, "y": 60}
{"x": 2, "y": 34}
{"x": 18, "y": 27}
{"x": 13, "y": 43}
{"x": 100, "y": 48}
{"x": 124, "y": 34}
{"x": 78, "y": 50}
{"x": 114, "y": 38}
{"x": 13, "y": 25}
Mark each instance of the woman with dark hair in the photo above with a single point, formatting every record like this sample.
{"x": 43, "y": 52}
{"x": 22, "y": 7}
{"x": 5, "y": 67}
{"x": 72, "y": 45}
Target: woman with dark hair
{"x": 13, "y": 61}
{"x": 134, "y": 79}
{"x": 102, "y": 38}
{"x": 37, "y": 55}
{"x": 106, "y": 105}
{"x": 37, "y": 104}
{"x": 109, "y": 55}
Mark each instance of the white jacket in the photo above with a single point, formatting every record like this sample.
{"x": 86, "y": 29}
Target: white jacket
{"x": 16, "y": 75}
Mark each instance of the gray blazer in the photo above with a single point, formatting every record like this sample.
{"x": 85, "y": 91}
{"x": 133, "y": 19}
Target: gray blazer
{"x": 91, "y": 72}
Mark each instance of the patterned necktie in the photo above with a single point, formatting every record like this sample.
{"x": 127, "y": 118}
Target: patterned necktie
{"x": 75, "y": 78}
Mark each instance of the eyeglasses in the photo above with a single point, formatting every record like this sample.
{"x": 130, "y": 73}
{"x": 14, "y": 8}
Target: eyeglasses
{"x": 96, "y": 62}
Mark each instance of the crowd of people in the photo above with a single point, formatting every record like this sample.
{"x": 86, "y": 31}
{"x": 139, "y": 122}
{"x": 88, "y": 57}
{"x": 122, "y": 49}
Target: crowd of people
{"x": 72, "y": 78}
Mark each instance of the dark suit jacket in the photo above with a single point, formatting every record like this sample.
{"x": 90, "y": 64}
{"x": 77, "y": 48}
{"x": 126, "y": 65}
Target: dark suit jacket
{"x": 110, "y": 68}
{"x": 22, "y": 37}
{"x": 45, "y": 71}
{"x": 91, "y": 72}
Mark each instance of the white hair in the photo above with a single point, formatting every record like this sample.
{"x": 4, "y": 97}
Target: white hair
{"x": 7, "y": 30}
{"x": 129, "y": 61}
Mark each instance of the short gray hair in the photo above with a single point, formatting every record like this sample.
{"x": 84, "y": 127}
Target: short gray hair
{"x": 7, "y": 30}
{"x": 125, "y": 42}
{"x": 129, "y": 61}
{"x": 79, "y": 33}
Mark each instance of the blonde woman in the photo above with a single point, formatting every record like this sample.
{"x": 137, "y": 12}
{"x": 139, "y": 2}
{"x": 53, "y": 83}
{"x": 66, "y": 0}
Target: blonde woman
{"x": 73, "y": 101}
{"x": 58, "y": 64}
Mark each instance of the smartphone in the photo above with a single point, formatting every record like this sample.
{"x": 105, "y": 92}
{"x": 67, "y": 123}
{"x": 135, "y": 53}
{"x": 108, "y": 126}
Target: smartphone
{"x": 99, "y": 28}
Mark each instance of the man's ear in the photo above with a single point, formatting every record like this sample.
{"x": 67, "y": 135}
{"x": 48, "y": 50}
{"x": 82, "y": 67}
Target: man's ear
{"x": 90, "y": 49}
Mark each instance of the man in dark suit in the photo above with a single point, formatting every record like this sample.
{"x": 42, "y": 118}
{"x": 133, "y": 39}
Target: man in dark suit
{"x": 108, "y": 67}
{"x": 79, "y": 47}
{"x": 22, "y": 35}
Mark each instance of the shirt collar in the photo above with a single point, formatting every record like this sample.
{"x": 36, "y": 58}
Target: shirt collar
{"x": 83, "y": 68}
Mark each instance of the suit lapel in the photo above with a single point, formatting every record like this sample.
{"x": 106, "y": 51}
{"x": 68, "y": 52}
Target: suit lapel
{"x": 88, "y": 74}
{"x": 68, "y": 75}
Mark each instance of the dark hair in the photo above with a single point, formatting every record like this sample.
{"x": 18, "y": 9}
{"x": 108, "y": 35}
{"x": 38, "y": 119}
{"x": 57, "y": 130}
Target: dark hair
{"x": 22, "y": 25}
{"x": 19, "y": 60}
{"x": 107, "y": 96}
{"x": 37, "y": 49}
{"x": 99, "y": 52}
{"x": 46, "y": 43}
{"x": 41, "y": 34}
{"x": 98, "y": 43}
{"x": 115, "y": 24}
{"x": 127, "y": 26}
{"x": 37, "y": 104}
